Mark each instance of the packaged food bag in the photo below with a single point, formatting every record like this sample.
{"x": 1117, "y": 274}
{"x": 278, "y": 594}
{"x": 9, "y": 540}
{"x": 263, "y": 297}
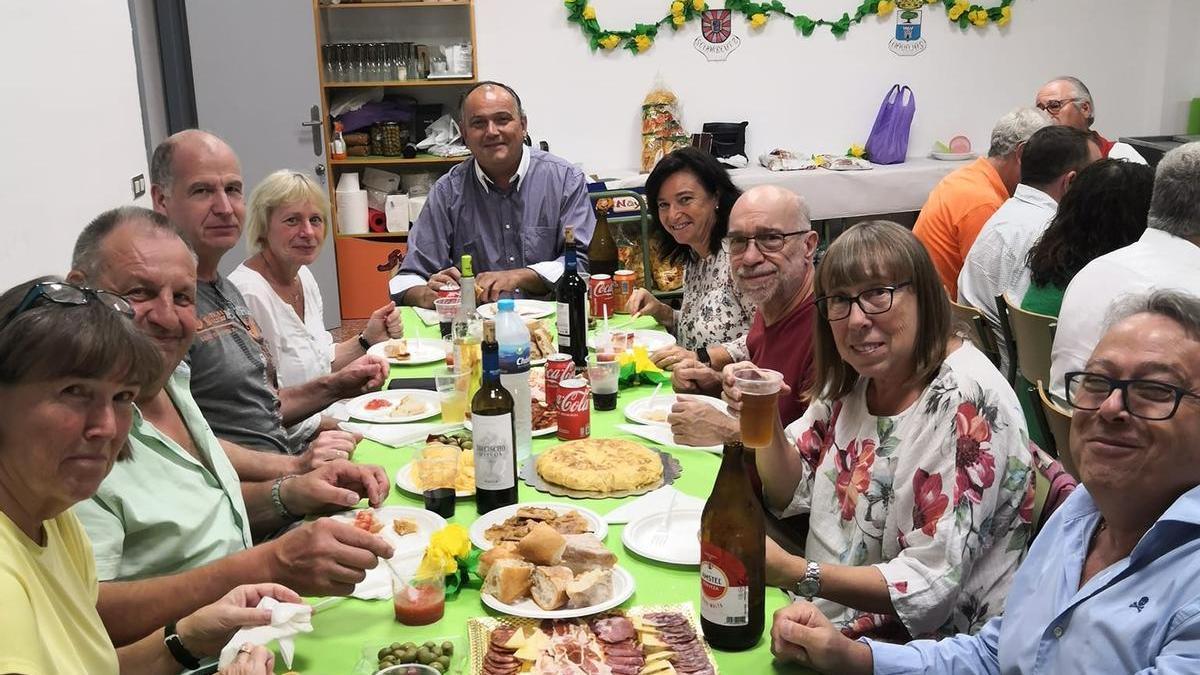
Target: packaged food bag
{"x": 662, "y": 132}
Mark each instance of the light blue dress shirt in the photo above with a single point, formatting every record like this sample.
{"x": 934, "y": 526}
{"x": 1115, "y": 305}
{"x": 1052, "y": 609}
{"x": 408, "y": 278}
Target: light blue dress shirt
{"x": 1140, "y": 615}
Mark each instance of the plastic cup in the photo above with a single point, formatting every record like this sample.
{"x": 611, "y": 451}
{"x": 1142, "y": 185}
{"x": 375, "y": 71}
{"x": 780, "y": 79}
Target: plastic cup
{"x": 603, "y": 375}
{"x": 417, "y": 600}
{"x": 759, "y": 389}
{"x": 446, "y": 308}
{"x": 452, "y": 389}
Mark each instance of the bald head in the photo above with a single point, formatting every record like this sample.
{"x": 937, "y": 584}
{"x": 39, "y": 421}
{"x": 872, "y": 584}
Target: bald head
{"x": 162, "y": 170}
{"x": 774, "y": 269}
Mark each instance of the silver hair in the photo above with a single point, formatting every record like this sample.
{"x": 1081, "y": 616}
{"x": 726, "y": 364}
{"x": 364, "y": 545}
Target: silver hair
{"x": 1015, "y": 128}
{"x": 1179, "y": 306}
{"x": 86, "y": 257}
{"x": 1081, "y": 92}
{"x": 1175, "y": 202}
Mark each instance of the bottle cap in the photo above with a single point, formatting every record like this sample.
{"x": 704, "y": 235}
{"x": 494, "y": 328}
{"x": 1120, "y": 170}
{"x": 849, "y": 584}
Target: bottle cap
{"x": 466, "y": 266}
{"x": 506, "y": 304}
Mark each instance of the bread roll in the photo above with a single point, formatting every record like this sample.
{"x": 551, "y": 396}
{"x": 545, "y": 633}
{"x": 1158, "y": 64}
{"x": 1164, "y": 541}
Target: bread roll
{"x": 505, "y": 550}
{"x": 508, "y": 580}
{"x": 543, "y": 545}
{"x": 549, "y": 589}
{"x": 585, "y": 552}
{"x": 590, "y": 588}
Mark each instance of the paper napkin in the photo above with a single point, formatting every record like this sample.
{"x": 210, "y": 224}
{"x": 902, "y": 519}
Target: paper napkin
{"x": 287, "y": 619}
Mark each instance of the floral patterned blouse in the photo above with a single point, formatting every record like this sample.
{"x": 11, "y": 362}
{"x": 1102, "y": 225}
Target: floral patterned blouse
{"x": 713, "y": 311}
{"x": 939, "y": 498}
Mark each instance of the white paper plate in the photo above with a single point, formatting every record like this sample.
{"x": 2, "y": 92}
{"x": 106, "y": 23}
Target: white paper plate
{"x": 536, "y": 432}
{"x": 623, "y": 586}
{"x": 405, "y": 482}
{"x": 377, "y": 584}
{"x": 481, "y": 524}
{"x": 640, "y": 410}
{"x": 526, "y": 309}
{"x": 358, "y": 410}
{"x": 650, "y": 339}
{"x": 419, "y": 351}
{"x": 953, "y": 156}
{"x": 682, "y": 546}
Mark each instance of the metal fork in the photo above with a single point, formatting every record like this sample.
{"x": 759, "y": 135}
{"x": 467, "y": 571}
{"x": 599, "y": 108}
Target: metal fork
{"x": 663, "y": 533}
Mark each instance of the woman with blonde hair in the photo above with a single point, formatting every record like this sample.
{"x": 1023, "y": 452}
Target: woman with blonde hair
{"x": 287, "y": 221}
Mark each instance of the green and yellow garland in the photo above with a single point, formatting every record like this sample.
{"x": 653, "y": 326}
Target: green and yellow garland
{"x": 640, "y": 38}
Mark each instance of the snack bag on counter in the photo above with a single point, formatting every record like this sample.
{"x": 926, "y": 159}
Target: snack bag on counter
{"x": 662, "y": 132}
{"x": 629, "y": 252}
{"x": 668, "y": 276}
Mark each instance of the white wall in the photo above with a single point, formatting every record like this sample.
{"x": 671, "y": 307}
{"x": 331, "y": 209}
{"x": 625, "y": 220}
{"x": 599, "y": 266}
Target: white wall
{"x": 72, "y": 126}
{"x": 820, "y": 93}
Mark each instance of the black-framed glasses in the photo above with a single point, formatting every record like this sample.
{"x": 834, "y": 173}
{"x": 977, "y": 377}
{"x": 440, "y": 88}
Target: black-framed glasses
{"x": 1055, "y": 104}
{"x": 61, "y": 293}
{"x": 771, "y": 242}
{"x": 871, "y": 301}
{"x": 1147, "y": 399}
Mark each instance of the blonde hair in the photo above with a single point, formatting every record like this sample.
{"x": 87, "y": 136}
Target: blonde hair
{"x": 282, "y": 187}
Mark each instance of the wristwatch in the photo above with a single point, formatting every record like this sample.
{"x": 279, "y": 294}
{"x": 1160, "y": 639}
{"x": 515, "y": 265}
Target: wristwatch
{"x": 362, "y": 342}
{"x": 702, "y": 355}
{"x": 178, "y": 651}
{"x": 810, "y": 585}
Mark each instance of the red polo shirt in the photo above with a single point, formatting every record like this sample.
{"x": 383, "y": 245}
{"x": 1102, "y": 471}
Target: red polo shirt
{"x": 786, "y": 346}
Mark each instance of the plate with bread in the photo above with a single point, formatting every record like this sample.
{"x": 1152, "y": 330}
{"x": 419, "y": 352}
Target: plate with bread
{"x": 512, "y": 523}
{"x": 547, "y": 574}
{"x": 395, "y": 406}
{"x": 409, "y": 352}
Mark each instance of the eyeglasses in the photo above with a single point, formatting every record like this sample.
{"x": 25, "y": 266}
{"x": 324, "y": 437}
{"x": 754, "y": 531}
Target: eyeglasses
{"x": 870, "y": 301}
{"x": 66, "y": 294}
{"x": 1147, "y": 399}
{"x": 770, "y": 242}
{"x": 1054, "y": 105}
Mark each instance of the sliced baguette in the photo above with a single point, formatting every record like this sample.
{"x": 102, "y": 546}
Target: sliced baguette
{"x": 508, "y": 580}
{"x": 549, "y": 588}
{"x": 543, "y": 545}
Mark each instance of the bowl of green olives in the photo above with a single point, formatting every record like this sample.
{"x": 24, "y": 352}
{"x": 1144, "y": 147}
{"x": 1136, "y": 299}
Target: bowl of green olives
{"x": 428, "y": 658}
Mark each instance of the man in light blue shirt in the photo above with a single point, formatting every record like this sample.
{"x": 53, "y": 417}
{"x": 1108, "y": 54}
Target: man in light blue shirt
{"x": 1110, "y": 584}
{"x": 506, "y": 207}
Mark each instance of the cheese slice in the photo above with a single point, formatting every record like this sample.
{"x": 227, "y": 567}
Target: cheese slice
{"x": 651, "y": 644}
{"x": 659, "y": 656}
{"x": 517, "y": 640}
{"x": 658, "y": 668}
{"x": 533, "y": 647}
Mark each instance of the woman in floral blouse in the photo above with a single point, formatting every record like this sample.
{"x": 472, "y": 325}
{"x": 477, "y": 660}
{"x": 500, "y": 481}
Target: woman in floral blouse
{"x": 912, "y": 460}
{"x": 690, "y": 195}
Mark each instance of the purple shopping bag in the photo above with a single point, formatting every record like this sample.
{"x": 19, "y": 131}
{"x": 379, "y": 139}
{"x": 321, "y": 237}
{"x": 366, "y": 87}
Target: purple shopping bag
{"x": 888, "y": 142}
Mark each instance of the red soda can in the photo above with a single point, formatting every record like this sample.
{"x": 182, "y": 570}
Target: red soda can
{"x": 600, "y": 295}
{"x": 623, "y": 284}
{"x": 574, "y": 410}
{"x": 559, "y": 367}
{"x": 449, "y": 291}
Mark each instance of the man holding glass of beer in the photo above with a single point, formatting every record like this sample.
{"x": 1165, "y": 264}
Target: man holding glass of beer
{"x": 771, "y": 244}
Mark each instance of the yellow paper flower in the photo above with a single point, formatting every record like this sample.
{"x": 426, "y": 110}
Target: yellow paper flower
{"x": 1005, "y": 16}
{"x": 978, "y": 17}
{"x": 698, "y": 5}
{"x": 643, "y": 42}
{"x": 885, "y": 7}
{"x": 677, "y": 19}
{"x": 436, "y": 562}
{"x": 956, "y": 11}
{"x": 452, "y": 539}
{"x": 857, "y": 150}
{"x": 677, "y": 7}
{"x": 609, "y": 41}
{"x": 758, "y": 20}
{"x": 589, "y": 12}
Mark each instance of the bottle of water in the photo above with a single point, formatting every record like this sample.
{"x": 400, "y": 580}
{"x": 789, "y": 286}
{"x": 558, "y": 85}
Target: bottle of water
{"x": 513, "y": 336}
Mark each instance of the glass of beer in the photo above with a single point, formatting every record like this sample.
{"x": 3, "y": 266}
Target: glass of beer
{"x": 759, "y": 388}
{"x": 468, "y": 354}
{"x": 452, "y": 389}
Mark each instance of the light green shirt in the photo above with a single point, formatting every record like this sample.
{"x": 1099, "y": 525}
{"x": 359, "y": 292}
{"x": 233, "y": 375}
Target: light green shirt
{"x": 161, "y": 511}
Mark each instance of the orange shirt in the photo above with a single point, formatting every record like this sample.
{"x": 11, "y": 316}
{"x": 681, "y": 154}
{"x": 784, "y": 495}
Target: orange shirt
{"x": 955, "y": 212}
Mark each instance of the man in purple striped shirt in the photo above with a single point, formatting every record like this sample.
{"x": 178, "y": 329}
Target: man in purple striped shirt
{"x": 506, "y": 207}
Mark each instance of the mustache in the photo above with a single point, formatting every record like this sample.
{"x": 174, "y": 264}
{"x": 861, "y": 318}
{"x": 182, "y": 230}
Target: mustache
{"x": 744, "y": 271}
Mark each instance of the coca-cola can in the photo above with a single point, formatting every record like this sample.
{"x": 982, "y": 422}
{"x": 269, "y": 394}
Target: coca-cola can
{"x": 449, "y": 291}
{"x": 559, "y": 367}
{"x": 624, "y": 281}
{"x": 600, "y": 295}
{"x": 574, "y": 410}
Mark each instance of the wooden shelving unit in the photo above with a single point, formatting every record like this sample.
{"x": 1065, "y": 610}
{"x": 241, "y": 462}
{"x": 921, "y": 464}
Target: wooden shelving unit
{"x": 360, "y": 255}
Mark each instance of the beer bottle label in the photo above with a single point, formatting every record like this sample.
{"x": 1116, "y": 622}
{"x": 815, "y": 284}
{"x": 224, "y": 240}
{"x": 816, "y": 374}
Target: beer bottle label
{"x": 724, "y": 587}
{"x": 493, "y": 435}
{"x": 563, "y": 322}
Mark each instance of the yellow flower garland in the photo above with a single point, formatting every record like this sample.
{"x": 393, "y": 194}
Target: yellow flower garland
{"x": 641, "y": 36}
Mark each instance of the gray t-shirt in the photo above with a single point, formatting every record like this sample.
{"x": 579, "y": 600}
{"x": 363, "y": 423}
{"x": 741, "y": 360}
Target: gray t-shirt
{"x": 233, "y": 376}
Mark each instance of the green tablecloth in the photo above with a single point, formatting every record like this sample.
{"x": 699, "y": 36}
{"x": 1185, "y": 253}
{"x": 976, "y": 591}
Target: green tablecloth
{"x": 341, "y": 632}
